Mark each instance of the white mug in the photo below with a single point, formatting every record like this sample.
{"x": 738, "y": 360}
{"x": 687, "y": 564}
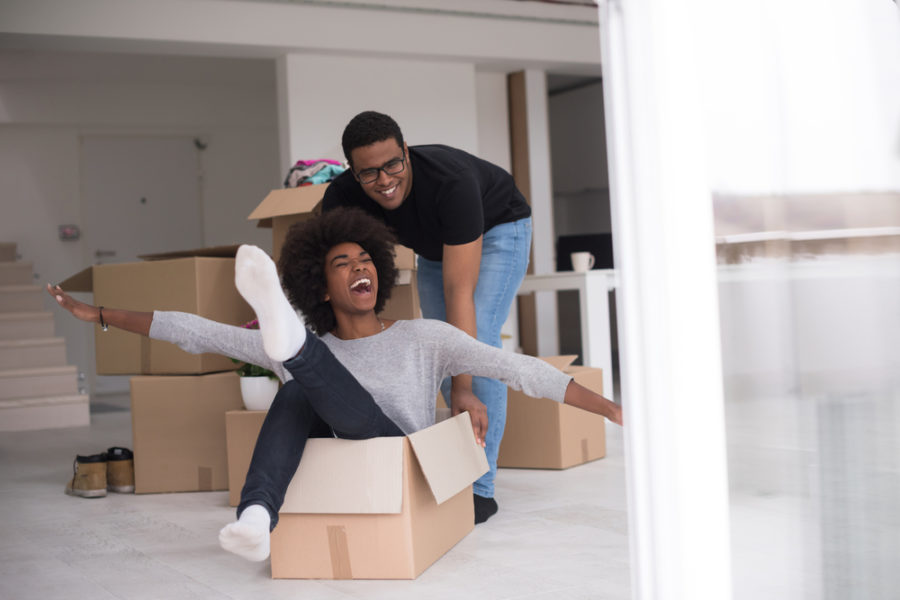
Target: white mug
{"x": 582, "y": 261}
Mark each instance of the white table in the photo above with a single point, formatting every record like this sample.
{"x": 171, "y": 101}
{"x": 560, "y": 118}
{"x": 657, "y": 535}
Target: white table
{"x": 593, "y": 302}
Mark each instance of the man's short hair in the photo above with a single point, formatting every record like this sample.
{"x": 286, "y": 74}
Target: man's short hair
{"x": 369, "y": 127}
{"x": 302, "y": 261}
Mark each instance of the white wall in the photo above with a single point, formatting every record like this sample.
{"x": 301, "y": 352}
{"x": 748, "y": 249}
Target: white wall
{"x": 47, "y": 100}
{"x": 492, "y": 101}
{"x": 432, "y": 102}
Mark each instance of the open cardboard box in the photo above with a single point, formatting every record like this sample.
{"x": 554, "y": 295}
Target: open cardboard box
{"x": 178, "y": 431}
{"x": 384, "y": 508}
{"x": 197, "y": 281}
{"x": 543, "y": 434}
{"x": 283, "y": 207}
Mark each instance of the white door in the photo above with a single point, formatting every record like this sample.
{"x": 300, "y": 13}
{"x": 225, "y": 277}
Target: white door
{"x": 140, "y": 195}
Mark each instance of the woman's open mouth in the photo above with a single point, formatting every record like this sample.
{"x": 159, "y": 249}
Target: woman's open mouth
{"x": 361, "y": 286}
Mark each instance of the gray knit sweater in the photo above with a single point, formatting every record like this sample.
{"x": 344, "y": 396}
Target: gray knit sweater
{"x": 402, "y": 367}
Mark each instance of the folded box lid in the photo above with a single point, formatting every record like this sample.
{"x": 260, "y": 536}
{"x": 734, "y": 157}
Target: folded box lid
{"x": 560, "y": 362}
{"x": 366, "y": 476}
{"x": 288, "y": 201}
{"x": 212, "y": 251}
{"x": 83, "y": 280}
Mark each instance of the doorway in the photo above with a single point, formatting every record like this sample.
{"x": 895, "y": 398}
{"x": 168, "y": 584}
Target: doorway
{"x": 140, "y": 194}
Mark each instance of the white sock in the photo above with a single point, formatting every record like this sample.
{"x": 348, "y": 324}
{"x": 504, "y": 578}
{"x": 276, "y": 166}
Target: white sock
{"x": 248, "y": 537}
{"x": 257, "y": 280}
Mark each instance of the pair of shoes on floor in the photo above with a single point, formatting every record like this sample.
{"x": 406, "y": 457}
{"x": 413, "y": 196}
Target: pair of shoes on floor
{"x": 93, "y": 475}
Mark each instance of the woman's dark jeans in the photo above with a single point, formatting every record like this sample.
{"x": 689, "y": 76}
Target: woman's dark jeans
{"x": 323, "y": 400}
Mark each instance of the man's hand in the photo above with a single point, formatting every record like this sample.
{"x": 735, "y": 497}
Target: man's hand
{"x": 466, "y": 401}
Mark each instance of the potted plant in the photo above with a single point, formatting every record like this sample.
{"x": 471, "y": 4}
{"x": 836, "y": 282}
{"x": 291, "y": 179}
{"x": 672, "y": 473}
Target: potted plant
{"x": 258, "y": 384}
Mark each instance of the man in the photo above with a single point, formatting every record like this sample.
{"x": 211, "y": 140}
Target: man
{"x": 471, "y": 230}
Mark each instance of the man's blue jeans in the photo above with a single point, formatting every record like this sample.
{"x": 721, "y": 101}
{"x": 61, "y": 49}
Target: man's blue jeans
{"x": 323, "y": 400}
{"x": 504, "y": 261}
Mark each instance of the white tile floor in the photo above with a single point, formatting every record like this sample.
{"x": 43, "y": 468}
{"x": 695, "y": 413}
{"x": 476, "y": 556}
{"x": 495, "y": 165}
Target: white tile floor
{"x": 559, "y": 534}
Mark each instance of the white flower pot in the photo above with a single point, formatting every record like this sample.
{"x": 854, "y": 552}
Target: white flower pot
{"x": 258, "y": 392}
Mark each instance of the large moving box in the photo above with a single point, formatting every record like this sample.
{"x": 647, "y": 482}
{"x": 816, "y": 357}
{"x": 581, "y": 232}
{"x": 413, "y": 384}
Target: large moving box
{"x": 283, "y": 207}
{"x": 178, "y": 431}
{"x": 384, "y": 508}
{"x": 195, "y": 281}
{"x": 543, "y": 434}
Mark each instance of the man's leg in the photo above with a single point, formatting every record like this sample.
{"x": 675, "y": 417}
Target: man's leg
{"x": 504, "y": 261}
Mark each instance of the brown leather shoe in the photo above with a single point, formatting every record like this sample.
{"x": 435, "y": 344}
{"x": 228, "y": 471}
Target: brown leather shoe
{"x": 89, "y": 478}
{"x": 120, "y": 470}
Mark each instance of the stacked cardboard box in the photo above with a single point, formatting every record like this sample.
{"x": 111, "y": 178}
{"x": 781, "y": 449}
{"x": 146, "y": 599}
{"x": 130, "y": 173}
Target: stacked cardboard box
{"x": 195, "y": 281}
{"x": 280, "y": 209}
{"x": 178, "y": 400}
{"x": 384, "y": 508}
{"x": 544, "y": 434}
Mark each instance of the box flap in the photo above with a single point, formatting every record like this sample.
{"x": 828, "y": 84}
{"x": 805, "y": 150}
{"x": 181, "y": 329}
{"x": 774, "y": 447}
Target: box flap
{"x": 348, "y": 476}
{"x": 560, "y": 362}
{"x": 82, "y": 281}
{"x": 289, "y": 201}
{"x": 449, "y": 456}
{"x": 212, "y": 251}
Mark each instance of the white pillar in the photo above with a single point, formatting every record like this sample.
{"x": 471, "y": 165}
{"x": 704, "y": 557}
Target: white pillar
{"x": 544, "y": 236}
{"x": 667, "y": 304}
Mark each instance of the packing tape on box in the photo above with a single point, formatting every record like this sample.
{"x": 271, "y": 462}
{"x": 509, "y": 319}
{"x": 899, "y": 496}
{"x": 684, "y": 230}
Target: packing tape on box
{"x": 340, "y": 553}
{"x": 585, "y": 455}
{"x": 204, "y": 479}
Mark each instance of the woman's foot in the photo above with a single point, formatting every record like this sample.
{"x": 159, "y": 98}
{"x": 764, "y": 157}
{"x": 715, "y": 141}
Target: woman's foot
{"x": 257, "y": 280}
{"x": 249, "y": 535}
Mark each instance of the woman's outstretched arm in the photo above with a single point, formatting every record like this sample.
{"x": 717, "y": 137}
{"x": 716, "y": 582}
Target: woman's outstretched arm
{"x": 581, "y": 397}
{"x": 129, "y": 320}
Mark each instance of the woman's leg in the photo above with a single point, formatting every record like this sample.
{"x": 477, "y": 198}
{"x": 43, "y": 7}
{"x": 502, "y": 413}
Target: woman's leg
{"x": 322, "y": 400}
{"x": 279, "y": 446}
{"x": 336, "y": 396}
{"x": 323, "y": 397}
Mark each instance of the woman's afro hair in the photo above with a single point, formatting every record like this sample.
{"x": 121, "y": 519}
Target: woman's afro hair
{"x": 302, "y": 261}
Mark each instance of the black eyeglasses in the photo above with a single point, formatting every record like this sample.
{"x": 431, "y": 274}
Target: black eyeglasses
{"x": 391, "y": 167}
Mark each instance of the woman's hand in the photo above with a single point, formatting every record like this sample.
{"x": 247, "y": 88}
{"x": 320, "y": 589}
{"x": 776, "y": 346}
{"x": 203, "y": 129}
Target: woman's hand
{"x": 580, "y": 396}
{"x": 80, "y": 310}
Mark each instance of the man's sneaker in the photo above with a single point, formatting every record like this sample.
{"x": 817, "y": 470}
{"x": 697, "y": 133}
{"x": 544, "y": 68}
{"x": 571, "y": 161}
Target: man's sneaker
{"x": 120, "y": 470}
{"x": 89, "y": 479}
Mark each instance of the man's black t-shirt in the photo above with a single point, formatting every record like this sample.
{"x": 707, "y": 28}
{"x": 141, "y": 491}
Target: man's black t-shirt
{"x": 455, "y": 198}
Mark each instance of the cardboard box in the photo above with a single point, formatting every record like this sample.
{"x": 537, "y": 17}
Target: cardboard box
{"x": 178, "y": 431}
{"x": 404, "y": 300}
{"x": 384, "y": 508}
{"x": 283, "y": 207}
{"x": 195, "y": 281}
{"x": 544, "y": 434}
{"x": 241, "y": 430}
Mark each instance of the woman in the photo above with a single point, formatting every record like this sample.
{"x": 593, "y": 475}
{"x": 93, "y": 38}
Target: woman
{"x": 358, "y": 377}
